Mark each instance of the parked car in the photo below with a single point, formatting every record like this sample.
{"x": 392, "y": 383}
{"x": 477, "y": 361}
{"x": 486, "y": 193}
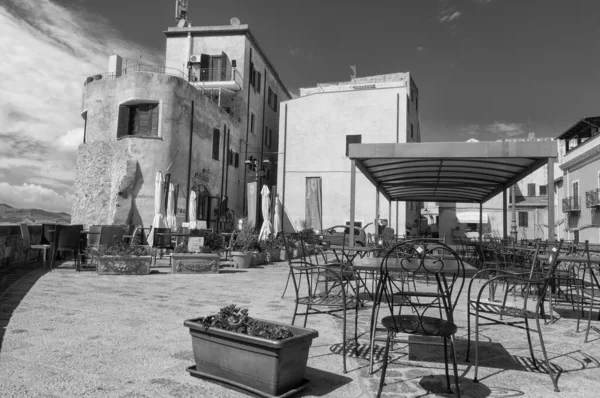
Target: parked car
{"x": 335, "y": 235}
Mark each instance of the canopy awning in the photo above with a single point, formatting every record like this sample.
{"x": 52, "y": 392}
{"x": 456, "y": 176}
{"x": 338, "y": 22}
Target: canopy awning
{"x": 471, "y": 217}
{"x": 449, "y": 171}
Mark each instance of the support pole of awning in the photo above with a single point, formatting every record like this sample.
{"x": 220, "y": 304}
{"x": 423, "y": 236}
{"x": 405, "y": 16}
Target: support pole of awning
{"x": 480, "y": 221}
{"x": 551, "y": 219}
{"x": 377, "y": 210}
{"x": 352, "y": 199}
{"x": 504, "y": 214}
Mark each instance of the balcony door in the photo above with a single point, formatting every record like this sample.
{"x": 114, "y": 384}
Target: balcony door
{"x": 576, "y": 192}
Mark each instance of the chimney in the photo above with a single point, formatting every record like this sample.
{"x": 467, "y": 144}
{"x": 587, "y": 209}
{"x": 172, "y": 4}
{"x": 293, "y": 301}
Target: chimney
{"x": 115, "y": 64}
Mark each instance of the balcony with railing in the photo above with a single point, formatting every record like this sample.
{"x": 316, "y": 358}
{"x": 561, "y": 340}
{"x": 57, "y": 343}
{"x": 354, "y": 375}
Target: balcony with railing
{"x": 592, "y": 198}
{"x": 223, "y": 78}
{"x": 571, "y": 204}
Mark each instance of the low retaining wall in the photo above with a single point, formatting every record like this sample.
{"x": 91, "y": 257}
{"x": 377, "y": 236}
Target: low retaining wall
{"x": 12, "y": 254}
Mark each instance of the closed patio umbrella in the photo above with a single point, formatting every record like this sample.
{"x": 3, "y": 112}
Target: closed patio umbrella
{"x": 192, "y": 209}
{"x": 277, "y": 217}
{"x": 171, "y": 219}
{"x": 159, "y": 218}
{"x": 266, "y": 229}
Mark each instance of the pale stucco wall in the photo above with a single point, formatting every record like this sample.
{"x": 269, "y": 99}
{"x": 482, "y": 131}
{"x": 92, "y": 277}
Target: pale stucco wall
{"x": 102, "y": 157}
{"x": 313, "y": 137}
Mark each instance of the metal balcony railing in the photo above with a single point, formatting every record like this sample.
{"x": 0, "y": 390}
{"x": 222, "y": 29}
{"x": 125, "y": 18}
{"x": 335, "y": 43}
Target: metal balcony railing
{"x": 215, "y": 75}
{"x": 571, "y": 204}
{"x": 592, "y": 198}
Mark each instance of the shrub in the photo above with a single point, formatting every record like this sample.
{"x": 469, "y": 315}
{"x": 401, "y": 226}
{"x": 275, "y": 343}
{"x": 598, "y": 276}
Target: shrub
{"x": 237, "y": 320}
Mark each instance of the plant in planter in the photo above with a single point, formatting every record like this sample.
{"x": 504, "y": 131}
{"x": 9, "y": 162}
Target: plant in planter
{"x": 244, "y": 243}
{"x": 205, "y": 259}
{"x": 271, "y": 249}
{"x": 121, "y": 259}
{"x": 262, "y": 357}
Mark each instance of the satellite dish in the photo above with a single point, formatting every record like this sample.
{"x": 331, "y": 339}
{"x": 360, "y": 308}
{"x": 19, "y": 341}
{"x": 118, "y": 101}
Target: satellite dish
{"x": 234, "y": 21}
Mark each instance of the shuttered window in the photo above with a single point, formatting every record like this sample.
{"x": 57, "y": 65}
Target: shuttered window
{"x": 270, "y": 98}
{"x": 216, "y": 143}
{"x": 138, "y": 120}
{"x": 258, "y": 81}
{"x": 530, "y": 189}
{"x": 352, "y": 139}
{"x": 543, "y": 190}
{"x": 523, "y": 222}
{"x": 236, "y": 160}
{"x": 275, "y": 102}
{"x": 268, "y": 133}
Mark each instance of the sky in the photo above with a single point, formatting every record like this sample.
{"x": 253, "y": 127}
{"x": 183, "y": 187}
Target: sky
{"x": 485, "y": 69}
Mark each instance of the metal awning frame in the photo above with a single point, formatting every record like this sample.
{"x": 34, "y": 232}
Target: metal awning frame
{"x": 460, "y": 172}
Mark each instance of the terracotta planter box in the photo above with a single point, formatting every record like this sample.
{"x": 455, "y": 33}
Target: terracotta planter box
{"x": 241, "y": 259}
{"x": 273, "y": 255}
{"x": 195, "y": 263}
{"x": 134, "y": 265}
{"x": 269, "y": 367}
{"x": 258, "y": 258}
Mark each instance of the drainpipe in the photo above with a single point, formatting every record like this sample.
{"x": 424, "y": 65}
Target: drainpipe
{"x": 513, "y": 225}
{"x": 247, "y": 133}
{"x": 187, "y": 204}
{"x": 223, "y": 166}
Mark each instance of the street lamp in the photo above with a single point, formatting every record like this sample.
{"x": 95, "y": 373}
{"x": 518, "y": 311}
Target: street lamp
{"x": 257, "y": 168}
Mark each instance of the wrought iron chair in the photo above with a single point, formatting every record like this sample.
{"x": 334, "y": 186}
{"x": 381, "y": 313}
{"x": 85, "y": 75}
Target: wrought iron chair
{"x": 67, "y": 238}
{"x": 427, "y": 311}
{"x": 534, "y": 287}
{"x": 26, "y": 239}
{"x": 324, "y": 291}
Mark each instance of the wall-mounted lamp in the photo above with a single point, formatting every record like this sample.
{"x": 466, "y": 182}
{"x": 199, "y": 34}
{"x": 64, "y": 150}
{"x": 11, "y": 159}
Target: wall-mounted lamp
{"x": 257, "y": 168}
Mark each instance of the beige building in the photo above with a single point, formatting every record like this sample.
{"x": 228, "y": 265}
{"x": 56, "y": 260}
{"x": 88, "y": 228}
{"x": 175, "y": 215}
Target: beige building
{"x": 315, "y": 130}
{"x": 579, "y": 207}
{"x": 212, "y": 106}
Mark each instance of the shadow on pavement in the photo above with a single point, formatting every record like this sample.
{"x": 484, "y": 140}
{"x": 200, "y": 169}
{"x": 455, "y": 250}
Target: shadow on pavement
{"x": 14, "y": 286}
{"x": 322, "y": 382}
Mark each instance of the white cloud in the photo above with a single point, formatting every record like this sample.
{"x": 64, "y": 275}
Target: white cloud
{"x": 49, "y": 50}
{"x": 507, "y": 129}
{"x": 449, "y": 16}
{"x": 31, "y": 196}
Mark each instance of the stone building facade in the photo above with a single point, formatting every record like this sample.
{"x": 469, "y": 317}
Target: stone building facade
{"x": 212, "y": 106}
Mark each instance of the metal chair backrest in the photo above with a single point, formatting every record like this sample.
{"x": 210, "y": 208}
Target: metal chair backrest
{"x": 162, "y": 241}
{"x": 435, "y": 261}
{"x": 111, "y": 235}
{"x": 93, "y": 239}
{"x": 48, "y": 233}
{"x": 26, "y": 239}
{"x": 68, "y": 237}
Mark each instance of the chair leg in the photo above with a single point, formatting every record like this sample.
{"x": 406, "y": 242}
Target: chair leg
{"x": 468, "y": 330}
{"x": 552, "y": 377}
{"x": 448, "y": 389}
{"x": 295, "y": 312}
{"x": 344, "y": 341}
{"x": 286, "y": 283}
{"x": 535, "y": 364}
{"x": 385, "y": 359}
{"x": 476, "y": 345}
{"x": 456, "y": 380}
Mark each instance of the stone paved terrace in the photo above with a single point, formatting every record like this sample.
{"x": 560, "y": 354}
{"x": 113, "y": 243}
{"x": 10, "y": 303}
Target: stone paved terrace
{"x": 69, "y": 334}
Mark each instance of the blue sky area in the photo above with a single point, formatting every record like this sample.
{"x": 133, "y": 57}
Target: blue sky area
{"x": 485, "y": 69}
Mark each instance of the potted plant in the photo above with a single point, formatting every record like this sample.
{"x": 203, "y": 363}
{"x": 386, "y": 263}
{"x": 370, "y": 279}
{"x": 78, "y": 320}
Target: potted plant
{"x": 261, "y": 357}
{"x": 187, "y": 258}
{"x": 271, "y": 249}
{"x": 244, "y": 241}
{"x": 121, "y": 259}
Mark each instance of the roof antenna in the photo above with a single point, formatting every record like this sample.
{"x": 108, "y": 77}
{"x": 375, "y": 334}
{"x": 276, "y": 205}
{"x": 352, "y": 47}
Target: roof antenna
{"x": 181, "y": 7}
{"x": 353, "y": 75}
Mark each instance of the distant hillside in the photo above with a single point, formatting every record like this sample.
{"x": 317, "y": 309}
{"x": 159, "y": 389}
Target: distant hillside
{"x": 12, "y": 215}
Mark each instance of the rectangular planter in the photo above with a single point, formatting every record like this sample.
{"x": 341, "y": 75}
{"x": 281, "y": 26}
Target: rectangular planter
{"x": 134, "y": 265}
{"x": 195, "y": 263}
{"x": 271, "y": 366}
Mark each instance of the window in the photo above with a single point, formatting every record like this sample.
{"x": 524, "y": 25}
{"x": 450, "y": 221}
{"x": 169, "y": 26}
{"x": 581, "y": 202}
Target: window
{"x": 258, "y": 81}
{"x": 543, "y": 190}
{"x": 211, "y": 68}
{"x": 252, "y": 121}
{"x": 530, "y": 189}
{"x": 352, "y": 139}
{"x": 230, "y": 157}
{"x": 523, "y": 219}
{"x": 138, "y": 120}
{"x": 412, "y": 131}
{"x": 268, "y": 134}
{"x": 252, "y": 74}
{"x": 275, "y": 102}
{"x": 216, "y": 143}
{"x": 236, "y": 160}
{"x": 576, "y": 189}
{"x": 270, "y": 98}
{"x": 84, "y": 116}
